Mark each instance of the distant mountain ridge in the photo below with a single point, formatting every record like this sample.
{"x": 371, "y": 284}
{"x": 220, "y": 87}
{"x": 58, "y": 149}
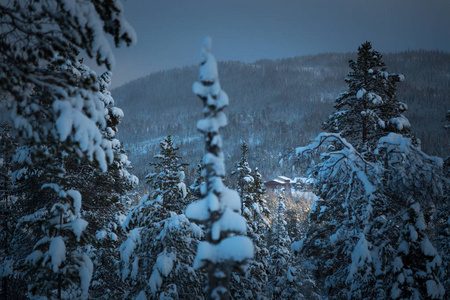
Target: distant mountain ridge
{"x": 275, "y": 105}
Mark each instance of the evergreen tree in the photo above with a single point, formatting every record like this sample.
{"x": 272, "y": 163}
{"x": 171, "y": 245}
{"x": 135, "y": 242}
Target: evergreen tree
{"x": 442, "y": 238}
{"x": 225, "y": 248}
{"x": 368, "y": 233}
{"x": 104, "y": 201}
{"x": 282, "y": 283}
{"x": 447, "y": 119}
{"x": 253, "y": 284}
{"x": 415, "y": 182}
{"x": 66, "y": 174}
{"x": 257, "y": 191}
{"x": 367, "y": 228}
{"x": 168, "y": 184}
{"x": 370, "y": 108}
{"x": 157, "y": 257}
{"x": 33, "y": 33}
{"x": 244, "y": 180}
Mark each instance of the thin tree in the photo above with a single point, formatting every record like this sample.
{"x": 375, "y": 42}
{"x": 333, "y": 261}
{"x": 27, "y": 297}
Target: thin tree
{"x": 225, "y": 248}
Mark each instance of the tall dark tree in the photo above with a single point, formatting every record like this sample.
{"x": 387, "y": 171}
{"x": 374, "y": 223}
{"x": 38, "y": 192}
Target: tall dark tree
{"x": 244, "y": 179}
{"x": 447, "y": 120}
{"x": 195, "y": 188}
{"x": 370, "y": 108}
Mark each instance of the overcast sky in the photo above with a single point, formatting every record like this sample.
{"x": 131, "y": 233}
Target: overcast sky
{"x": 169, "y": 31}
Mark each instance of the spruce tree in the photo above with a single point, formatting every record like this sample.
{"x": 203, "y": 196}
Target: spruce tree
{"x": 257, "y": 192}
{"x": 157, "y": 257}
{"x": 104, "y": 201}
{"x": 244, "y": 180}
{"x": 282, "y": 283}
{"x": 167, "y": 182}
{"x": 369, "y": 225}
{"x": 370, "y": 108}
{"x": 253, "y": 284}
{"x": 415, "y": 183}
{"x": 225, "y": 247}
{"x": 33, "y": 33}
{"x": 368, "y": 235}
{"x": 56, "y": 175}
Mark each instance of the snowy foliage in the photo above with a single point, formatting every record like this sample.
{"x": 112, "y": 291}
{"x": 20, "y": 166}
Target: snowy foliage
{"x": 244, "y": 179}
{"x": 53, "y": 169}
{"x": 368, "y": 219}
{"x": 253, "y": 283}
{"x": 370, "y": 108}
{"x": 167, "y": 183}
{"x": 224, "y": 248}
{"x": 157, "y": 258}
{"x": 35, "y": 32}
{"x": 286, "y": 280}
{"x": 58, "y": 263}
{"x": 195, "y": 188}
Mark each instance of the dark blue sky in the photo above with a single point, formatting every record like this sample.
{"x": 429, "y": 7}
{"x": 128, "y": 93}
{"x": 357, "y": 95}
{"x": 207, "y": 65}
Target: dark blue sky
{"x": 169, "y": 31}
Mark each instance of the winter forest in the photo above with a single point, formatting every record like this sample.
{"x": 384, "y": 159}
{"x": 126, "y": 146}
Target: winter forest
{"x": 313, "y": 178}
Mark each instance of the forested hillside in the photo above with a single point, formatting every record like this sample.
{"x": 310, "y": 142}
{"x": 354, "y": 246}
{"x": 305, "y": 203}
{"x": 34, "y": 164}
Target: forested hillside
{"x": 276, "y": 106}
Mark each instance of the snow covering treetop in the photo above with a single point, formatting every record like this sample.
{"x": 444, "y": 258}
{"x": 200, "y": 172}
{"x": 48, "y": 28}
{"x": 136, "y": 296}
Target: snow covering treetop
{"x": 370, "y": 108}
{"x": 224, "y": 248}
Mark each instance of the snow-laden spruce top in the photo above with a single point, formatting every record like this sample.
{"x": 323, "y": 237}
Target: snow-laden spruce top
{"x": 219, "y": 209}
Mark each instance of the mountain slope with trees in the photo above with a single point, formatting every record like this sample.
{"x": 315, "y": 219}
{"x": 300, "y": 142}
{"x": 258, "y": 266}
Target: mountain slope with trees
{"x": 276, "y": 105}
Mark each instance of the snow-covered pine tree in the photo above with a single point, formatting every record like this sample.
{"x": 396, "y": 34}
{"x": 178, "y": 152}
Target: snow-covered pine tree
{"x": 441, "y": 222}
{"x": 370, "y": 108}
{"x": 257, "y": 191}
{"x": 372, "y": 194}
{"x": 244, "y": 180}
{"x": 33, "y": 33}
{"x": 57, "y": 266}
{"x": 104, "y": 196}
{"x": 253, "y": 284}
{"x": 225, "y": 247}
{"x": 368, "y": 230}
{"x": 282, "y": 283}
{"x": 57, "y": 105}
{"x": 414, "y": 182}
{"x": 337, "y": 218}
{"x": 158, "y": 255}
{"x": 167, "y": 182}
